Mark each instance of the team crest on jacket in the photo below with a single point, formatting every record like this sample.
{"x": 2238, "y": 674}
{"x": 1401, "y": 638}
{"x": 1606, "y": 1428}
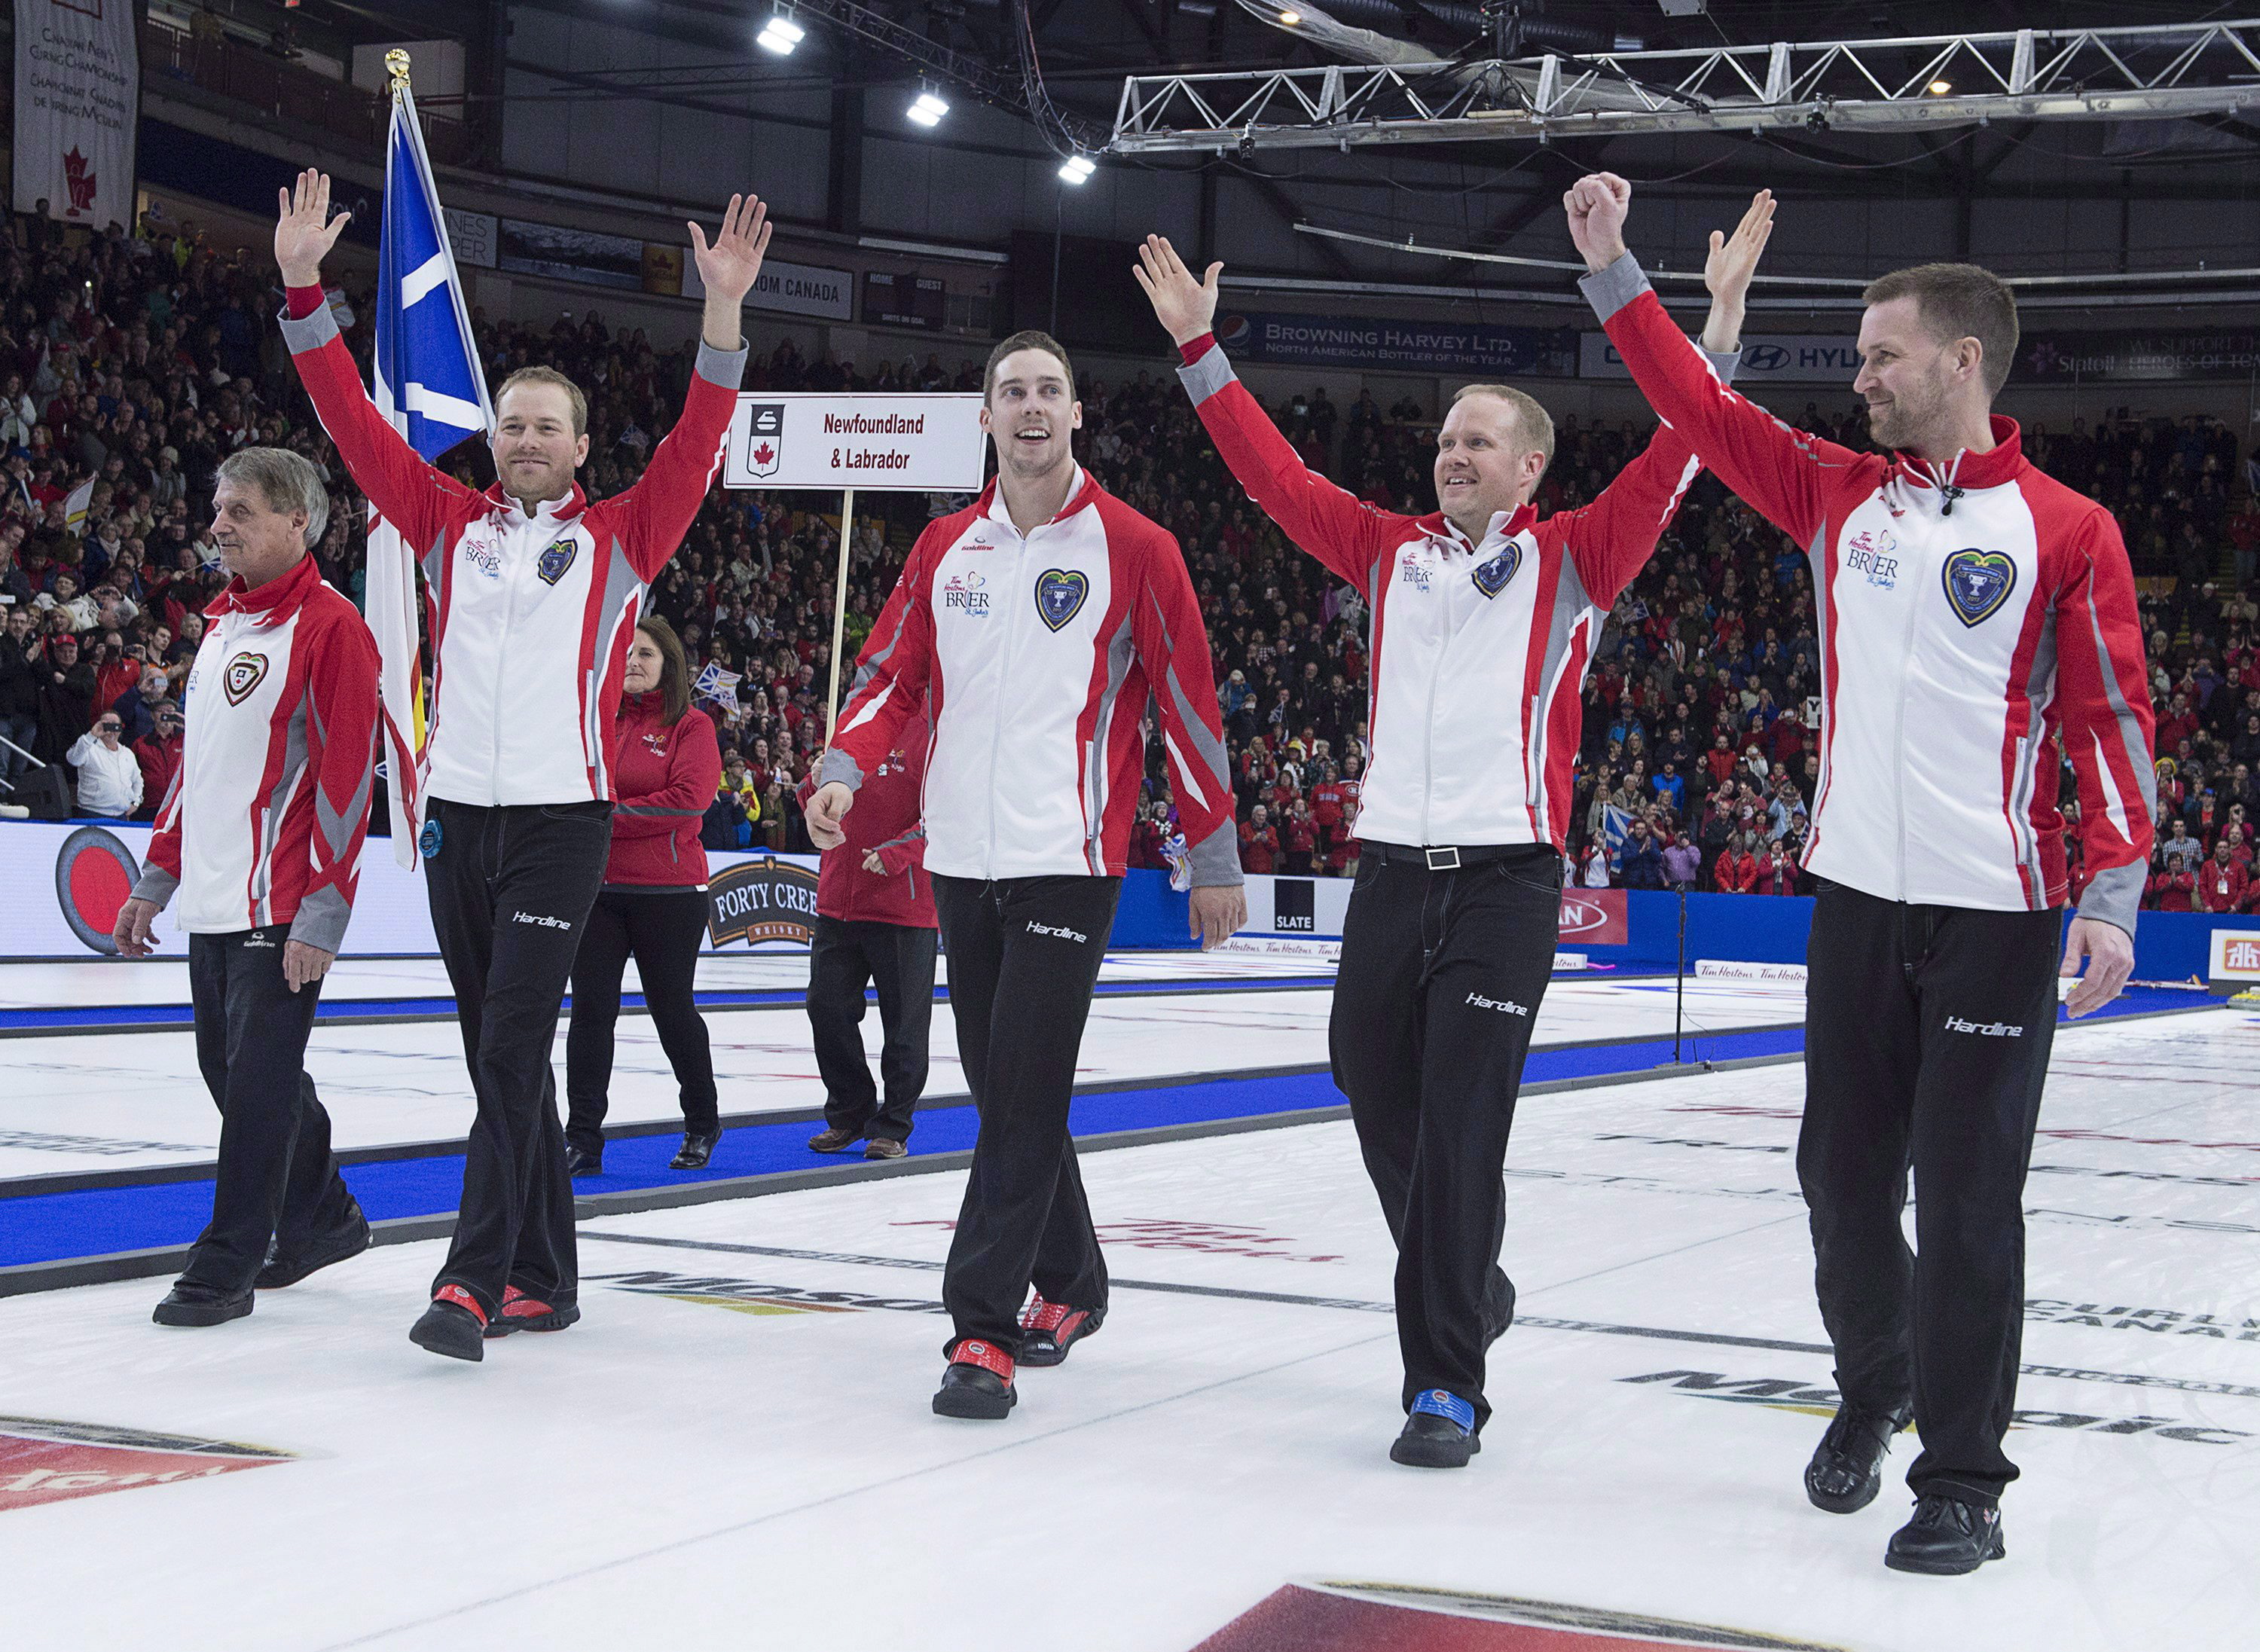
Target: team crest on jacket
{"x": 1491, "y": 577}
{"x": 1060, "y": 594}
{"x": 556, "y": 560}
{"x": 1977, "y": 582}
{"x": 245, "y": 673}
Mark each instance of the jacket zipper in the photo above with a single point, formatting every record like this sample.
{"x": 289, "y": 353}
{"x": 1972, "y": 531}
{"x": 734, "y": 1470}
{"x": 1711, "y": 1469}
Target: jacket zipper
{"x": 508, "y": 624}
{"x": 1898, "y": 749}
{"x": 1004, "y": 676}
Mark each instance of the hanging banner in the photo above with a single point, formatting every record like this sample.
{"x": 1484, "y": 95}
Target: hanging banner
{"x": 1398, "y": 346}
{"x": 1770, "y": 358}
{"x": 78, "y": 97}
{"x": 816, "y": 438}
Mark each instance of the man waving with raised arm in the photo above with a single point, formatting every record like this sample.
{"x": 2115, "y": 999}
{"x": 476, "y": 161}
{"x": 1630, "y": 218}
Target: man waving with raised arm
{"x": 1977, "y": 630}
{"x": 1484, "y": 619}
{"x": 532, "y": 593}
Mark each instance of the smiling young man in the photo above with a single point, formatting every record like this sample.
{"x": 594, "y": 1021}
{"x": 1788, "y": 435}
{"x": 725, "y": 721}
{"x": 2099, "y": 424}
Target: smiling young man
{"x": 532, "y": 594}
{"x": 1484, "y": 620}
{"x": 257, "y": 846}
{"x": 1978, "y": 631}
{"x": 1033, "y": 624}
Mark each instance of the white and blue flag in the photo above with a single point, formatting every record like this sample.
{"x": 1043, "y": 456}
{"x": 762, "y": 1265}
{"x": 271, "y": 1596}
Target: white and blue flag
{"x": 430, "y": 385}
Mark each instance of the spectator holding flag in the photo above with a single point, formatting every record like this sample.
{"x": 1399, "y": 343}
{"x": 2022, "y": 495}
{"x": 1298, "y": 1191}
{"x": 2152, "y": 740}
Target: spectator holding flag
{"x": 520, "y": 763}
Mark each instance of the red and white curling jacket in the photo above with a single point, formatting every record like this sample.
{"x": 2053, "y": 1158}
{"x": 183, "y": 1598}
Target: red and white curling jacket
{"x": 530, "y": 616}
{"x": 1976, "y": 616}
{"x": 265, "y": 818}
{"x": 1038, "y": 652}
{"x": 1477, "y": 650}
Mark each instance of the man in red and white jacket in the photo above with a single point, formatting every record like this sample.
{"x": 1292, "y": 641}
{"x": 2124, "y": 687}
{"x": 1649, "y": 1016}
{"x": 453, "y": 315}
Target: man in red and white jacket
{"x": 1034, "y": 623}
{"x": 875, "y": 926}
{"x": 1977, "y": 620}
{"x": 1484, "y": 619}
{"x": 256, "y": 849}
{"x": 531, "y": 595}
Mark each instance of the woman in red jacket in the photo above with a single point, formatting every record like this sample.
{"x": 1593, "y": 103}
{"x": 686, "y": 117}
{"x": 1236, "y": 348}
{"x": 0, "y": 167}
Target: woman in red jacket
{"x": 652, "y": 904}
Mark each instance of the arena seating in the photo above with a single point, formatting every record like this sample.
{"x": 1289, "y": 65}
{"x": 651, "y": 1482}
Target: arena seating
{"x": 139, "y": 362}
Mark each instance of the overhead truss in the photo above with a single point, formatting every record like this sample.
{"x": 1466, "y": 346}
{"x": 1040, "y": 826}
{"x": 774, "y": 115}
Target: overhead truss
{"x": 1930, "y": 81}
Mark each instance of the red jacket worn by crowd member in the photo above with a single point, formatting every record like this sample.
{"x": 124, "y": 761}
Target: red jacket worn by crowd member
{"x": 1036, "y": 654}
{"x": 267, "y": 808}
{"x": 2221, "y": 889}
{"x": 1975, "y": 616}
{"x": 885, "y": 820}
{"x": 665, "y": 774}
{"x": 1479, "y": 649}
{"x": 530, "y": 616}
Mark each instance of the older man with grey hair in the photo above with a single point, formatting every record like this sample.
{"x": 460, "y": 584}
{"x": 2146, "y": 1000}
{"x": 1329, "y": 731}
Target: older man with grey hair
{"x": 256, "y": 849}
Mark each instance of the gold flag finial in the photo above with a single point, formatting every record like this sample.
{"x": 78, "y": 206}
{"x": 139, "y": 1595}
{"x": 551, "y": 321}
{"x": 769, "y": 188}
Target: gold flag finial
{"x": 396, "y": 63}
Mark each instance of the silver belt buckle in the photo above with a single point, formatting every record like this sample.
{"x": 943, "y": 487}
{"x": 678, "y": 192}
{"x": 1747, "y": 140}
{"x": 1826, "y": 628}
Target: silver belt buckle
{"x": 1445, "y": 860}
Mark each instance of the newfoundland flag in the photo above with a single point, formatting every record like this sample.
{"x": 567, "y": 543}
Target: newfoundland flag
{"x": 428, "y": 383}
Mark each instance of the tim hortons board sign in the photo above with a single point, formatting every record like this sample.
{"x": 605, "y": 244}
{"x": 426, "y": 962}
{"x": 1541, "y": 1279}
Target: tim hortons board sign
{"x": 762, "y": 899}
{"x": 922, "y": 444}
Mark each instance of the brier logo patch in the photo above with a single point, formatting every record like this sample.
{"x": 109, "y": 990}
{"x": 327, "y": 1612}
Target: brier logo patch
{"x": 244, "y": 673}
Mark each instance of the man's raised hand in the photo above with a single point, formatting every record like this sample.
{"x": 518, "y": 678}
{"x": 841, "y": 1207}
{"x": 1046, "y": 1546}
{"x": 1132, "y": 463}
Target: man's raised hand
{"x": 1186, "y": 306}
{"x": 729, "y": 266}
{"x": 1727, "y": 272}
{"x": 304, "y": 233}
{"x": 1733, "y": 259}
{"x": 1597, "y": 205}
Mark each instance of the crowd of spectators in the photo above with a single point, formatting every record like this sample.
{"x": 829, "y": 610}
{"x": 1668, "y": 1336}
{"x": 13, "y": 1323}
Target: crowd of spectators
{"x": 136, "y": 362}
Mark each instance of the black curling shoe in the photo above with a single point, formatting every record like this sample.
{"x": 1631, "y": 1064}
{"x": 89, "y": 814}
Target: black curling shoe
{"x": 1946, "y": 1538}
{"x": 1439, "y": 1432}
{"x": 1847, "y": 1469}
{"x": 978, "y": 1384}
{"x": 188, "y": 1304}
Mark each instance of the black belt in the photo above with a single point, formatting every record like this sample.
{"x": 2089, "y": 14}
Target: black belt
{"x": 1449, "y": 859}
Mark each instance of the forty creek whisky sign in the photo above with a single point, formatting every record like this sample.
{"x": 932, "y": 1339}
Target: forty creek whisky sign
{"x": 764, "y": 898}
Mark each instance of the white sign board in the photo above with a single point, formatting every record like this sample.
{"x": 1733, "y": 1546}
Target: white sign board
{"x": 472, "y": 237}
{"x": 2236, "y": 954}
{"x": 78, "y": 105}
{"x": 789, "y": 289}
{"x": 1775, "y": 358}
{"x": 922, "y": 444}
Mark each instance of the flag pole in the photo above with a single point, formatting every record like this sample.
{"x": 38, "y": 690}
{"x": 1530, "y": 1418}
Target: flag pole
{"x": 840, "y": 612}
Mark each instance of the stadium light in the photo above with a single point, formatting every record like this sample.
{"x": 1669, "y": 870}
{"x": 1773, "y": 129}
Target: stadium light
{"x": 1077, "y": 169}
{"x": 1939, "y": 89}
{"x": 780, "y": 35}
{"x": 1290, "y": 18}
{"x": 928, "y": 109}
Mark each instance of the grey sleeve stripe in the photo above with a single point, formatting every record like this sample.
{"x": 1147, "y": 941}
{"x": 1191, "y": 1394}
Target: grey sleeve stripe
{"x": 156, "y": 884}
{"x": 308, "y": 333}
{"x": 1723, "y": 362}
{"x": 336, "y": 825}
{"x": 1208, "y": 375}
{"x": 1611, "y": 290}
{"x": 321, "y": 920}
{"x": 2114, "y": 895}
{"x": 1215, "y": 859}
{"x": 663, "y": 814}
{"x": 837, "y": 765}
{"x": 2130, "y": 730}
{"x": 1210, "y": 748}
{"x": 724, "y": 368}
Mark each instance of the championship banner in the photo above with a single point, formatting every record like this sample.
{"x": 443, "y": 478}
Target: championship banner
{"x": 78, "y": 99}
{"x": 922, "y": 444}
